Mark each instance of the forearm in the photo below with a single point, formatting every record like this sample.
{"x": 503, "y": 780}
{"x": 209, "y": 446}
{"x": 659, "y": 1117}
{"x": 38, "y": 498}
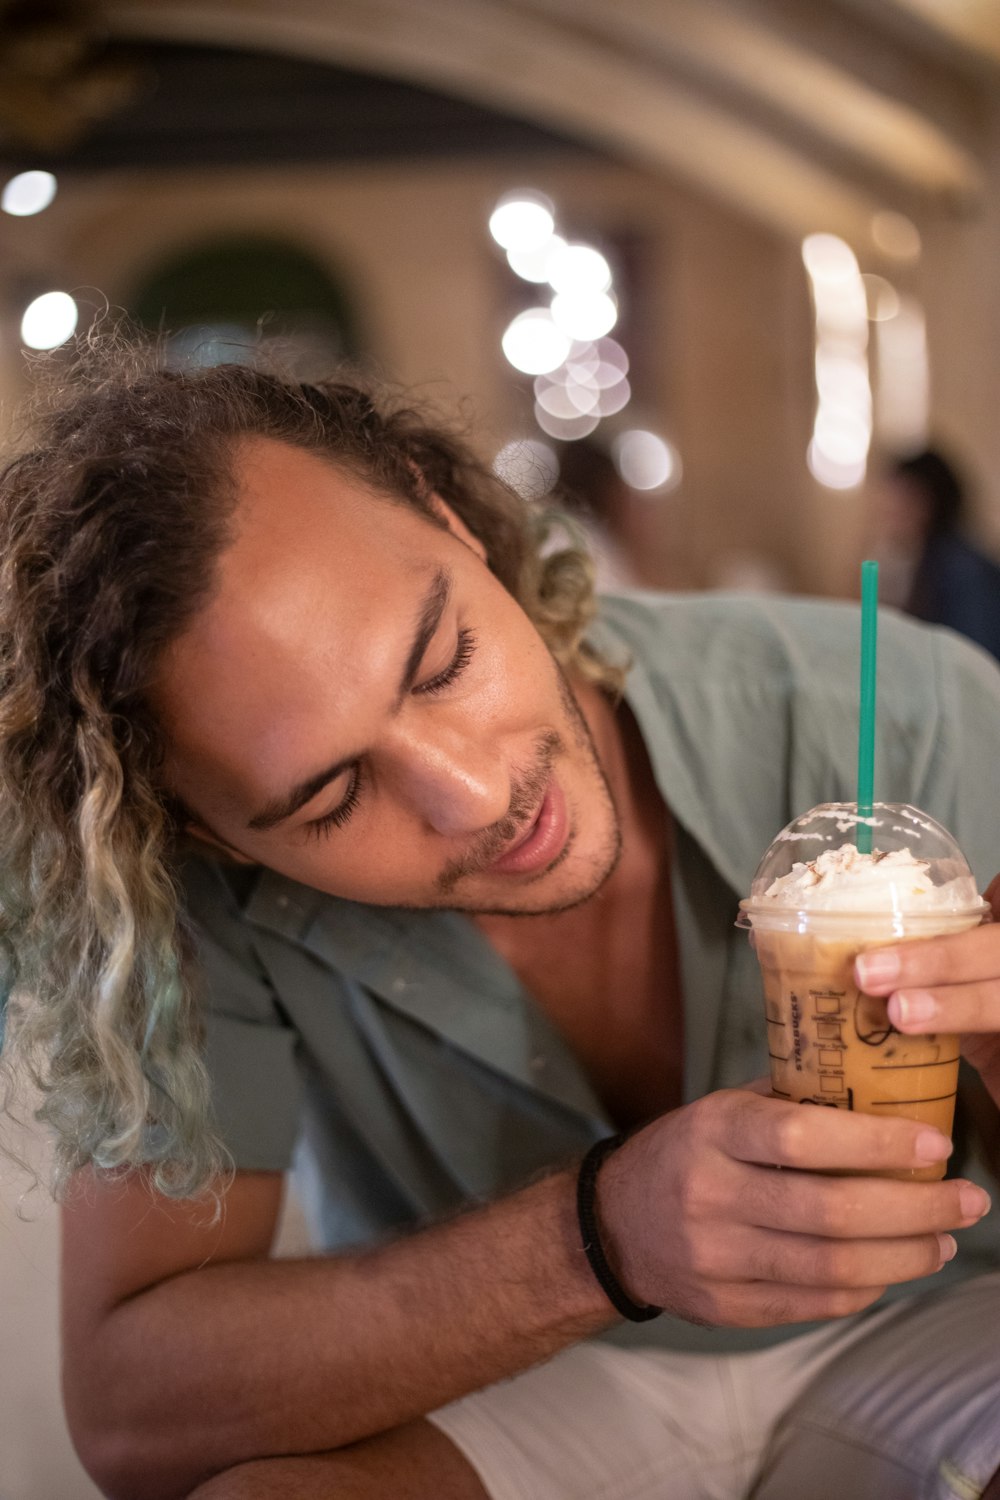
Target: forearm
{"x": 250, "y": 1359}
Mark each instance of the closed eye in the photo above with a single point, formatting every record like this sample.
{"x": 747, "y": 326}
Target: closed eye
{"x": 320, "y": 827}
{"x": 465, "y": 649}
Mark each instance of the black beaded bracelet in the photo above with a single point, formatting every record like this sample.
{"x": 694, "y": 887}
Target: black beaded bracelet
{"x": 586, "y": 1190}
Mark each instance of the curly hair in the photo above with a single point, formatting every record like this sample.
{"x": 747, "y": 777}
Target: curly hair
{"x": 111, "y": 523}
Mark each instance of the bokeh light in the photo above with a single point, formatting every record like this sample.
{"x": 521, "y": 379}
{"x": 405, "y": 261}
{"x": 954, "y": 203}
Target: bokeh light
{"x": 529, "y": 466}
{"x": 838, "y": 451}
{"x": 581, "y": 375}
{"x": 646, "y": 461}
{"x": 882, "y": 297}
{"x": 49, "y": 321}
{"x": 842, "y": 377}
{"x": 841, "y": 435}
{"x": 28, "y": 193}
{"x": 566, "y": 429}
{"x": 534, "y": 344}
{"x": 832, "y": 474}
{"x": 584, "y": 315}
{"x": 564, "y": 397}
{"x": 602, "y": 361}
{"x": 522, "y": 221}
{"x": 612, "y": 399}
{"x": 896, "y": 236}
{"x": 578, "y": 270}
{"x": 904, "y": 378}
{"x": 829, "y": 258}
{"x": 533, "y": 265}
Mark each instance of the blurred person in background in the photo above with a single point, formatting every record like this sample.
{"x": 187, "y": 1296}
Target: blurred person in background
{"x": 931, "y": 568}
{"x": 332, "y": 814}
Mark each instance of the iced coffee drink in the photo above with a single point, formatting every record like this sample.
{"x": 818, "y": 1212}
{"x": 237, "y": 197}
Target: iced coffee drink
{"x": 816, "y": 902}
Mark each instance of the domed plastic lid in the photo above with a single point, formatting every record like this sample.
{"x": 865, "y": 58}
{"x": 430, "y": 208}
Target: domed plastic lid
{"x": 915, "y": 876}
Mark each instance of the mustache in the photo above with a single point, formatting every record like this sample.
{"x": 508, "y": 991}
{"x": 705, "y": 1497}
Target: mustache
{"x": 525, "y": 795}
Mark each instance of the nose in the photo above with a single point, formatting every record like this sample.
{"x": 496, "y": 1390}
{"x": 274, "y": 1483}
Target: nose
{"x": 456, "y": 782}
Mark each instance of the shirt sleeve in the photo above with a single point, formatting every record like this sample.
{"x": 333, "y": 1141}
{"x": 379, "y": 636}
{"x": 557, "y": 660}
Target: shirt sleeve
{"x": 937, "y": 724}
{"x": 958, "y": 781}
{"x": 250, "y": 1045}
{"x": 755, "y": 703}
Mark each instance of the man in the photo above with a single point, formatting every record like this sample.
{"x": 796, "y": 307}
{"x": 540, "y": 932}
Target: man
{"x": 461, "y": 912}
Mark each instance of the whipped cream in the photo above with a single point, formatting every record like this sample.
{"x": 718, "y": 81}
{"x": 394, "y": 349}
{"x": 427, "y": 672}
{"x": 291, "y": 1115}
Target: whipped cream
{"x": 846, "y": 880}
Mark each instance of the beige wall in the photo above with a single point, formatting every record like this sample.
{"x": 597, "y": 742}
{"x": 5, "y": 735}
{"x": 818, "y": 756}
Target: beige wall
{"x": 960, "y": 279}
{"x": 37, "y": 1461}
{"x": 724, "y": 316}
{"x": 725, "y": 323}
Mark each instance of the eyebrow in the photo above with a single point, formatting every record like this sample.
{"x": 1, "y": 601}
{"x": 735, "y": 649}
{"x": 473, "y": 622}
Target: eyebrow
{"x": 432, "y": 607}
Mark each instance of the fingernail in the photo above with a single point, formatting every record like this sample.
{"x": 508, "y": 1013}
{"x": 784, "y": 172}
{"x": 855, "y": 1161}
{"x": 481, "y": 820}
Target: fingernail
{"x": 912, "y": 1007}
{"x": 931, "y": 1145}
{"x": 973, "y": 1200}
{"x": 948, "y": 1246}
{"x": 876, "y": 968}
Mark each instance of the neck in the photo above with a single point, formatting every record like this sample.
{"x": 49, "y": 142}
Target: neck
{"x": 605, "y": 972}
{"x": 621, "y": 749}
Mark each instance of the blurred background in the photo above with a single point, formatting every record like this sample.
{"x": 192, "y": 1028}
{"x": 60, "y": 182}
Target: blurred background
{"x": 717, "y": 263}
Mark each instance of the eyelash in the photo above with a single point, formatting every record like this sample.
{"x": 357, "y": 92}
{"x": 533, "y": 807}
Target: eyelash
{"x": 464, "y": 652}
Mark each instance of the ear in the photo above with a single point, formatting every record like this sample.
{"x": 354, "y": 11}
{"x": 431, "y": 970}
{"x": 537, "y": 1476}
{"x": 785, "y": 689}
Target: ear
{"x": 456, "y": 525}
{"x": 199, "y": 834}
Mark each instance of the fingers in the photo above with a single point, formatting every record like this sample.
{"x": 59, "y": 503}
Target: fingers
{"x": 939, "y": 984}
{"x": 858, "y": 1208}
{"x": 700, "y": 1220}
{"x": 953, "y": 1007}
{"x": 764, "y": 1304}
{"x": 775, "y": 1133}
{"x": 810, "y": 1260}
{"x": 960, "y": 959}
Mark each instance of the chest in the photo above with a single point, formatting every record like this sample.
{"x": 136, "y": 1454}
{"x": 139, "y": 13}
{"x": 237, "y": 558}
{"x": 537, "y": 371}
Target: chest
{"x": 606, "y": 976}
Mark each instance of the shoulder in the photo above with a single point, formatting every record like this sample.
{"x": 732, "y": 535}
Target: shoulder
{"x": 780, "y": 647}
{"x": 728, "y": 628}
{"x": 750, "y": 706}
{"x": 219, "y": 939}
{"x": 213, "y": 895}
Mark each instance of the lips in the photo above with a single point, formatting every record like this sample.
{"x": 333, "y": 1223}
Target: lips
{"x": 543, "y": 840}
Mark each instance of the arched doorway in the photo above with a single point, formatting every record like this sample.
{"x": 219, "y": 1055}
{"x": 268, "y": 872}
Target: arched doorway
{"x": 221, "y": 299}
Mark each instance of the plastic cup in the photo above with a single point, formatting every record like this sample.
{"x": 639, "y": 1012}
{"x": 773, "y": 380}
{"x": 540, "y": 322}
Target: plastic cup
{"x": 831, "y": 1044}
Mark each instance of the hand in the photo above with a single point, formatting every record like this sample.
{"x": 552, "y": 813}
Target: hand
{"x": 695, "y": 1218}
{"x": 946, "y": 984}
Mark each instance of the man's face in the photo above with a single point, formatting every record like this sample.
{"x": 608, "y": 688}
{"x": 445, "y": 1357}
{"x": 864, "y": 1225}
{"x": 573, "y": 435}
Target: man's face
{"x": 363, "y": 707}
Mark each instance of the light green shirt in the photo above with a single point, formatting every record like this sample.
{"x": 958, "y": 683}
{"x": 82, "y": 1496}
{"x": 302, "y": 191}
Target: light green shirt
{"x": 395, "y": 1055}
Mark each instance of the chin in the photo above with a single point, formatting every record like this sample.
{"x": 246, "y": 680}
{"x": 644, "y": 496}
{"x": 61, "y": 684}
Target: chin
{"x": 570, "y": 881}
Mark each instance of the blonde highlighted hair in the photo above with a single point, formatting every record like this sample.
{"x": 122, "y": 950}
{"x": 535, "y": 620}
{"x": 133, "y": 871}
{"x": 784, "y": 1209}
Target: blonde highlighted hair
{"x": 111, "y": 522}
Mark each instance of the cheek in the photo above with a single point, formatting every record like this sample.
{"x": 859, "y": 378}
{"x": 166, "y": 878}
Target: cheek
{"x": 518, "y": 673}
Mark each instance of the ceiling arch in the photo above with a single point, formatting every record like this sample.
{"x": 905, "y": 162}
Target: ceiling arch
{"x": 807, "y": 114}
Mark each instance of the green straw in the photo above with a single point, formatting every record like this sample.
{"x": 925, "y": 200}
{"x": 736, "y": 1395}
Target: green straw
{"x": 866, "y": 717}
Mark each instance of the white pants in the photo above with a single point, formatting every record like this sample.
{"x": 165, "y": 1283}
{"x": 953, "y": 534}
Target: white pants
{"x": 899, "y": 1404}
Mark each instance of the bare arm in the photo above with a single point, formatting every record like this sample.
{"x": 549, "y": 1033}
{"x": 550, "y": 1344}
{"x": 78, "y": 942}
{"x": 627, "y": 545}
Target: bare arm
{"x": 188, "y": 1352}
